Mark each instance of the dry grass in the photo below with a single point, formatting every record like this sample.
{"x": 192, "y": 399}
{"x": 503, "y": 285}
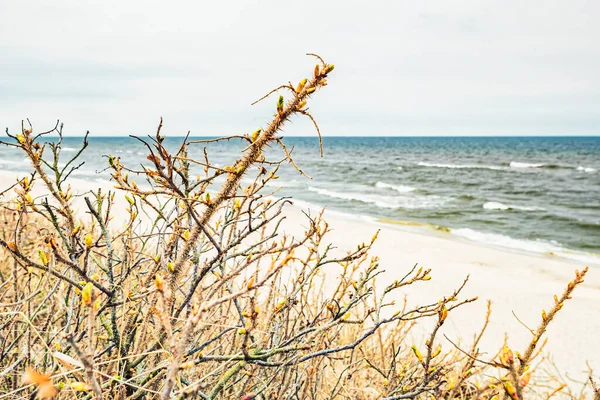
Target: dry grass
{"x": 195, "y": 293}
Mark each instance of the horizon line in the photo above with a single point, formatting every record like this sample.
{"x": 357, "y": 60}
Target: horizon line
{"x": 346, "y": 136}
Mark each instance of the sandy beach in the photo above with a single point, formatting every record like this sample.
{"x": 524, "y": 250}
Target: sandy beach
{"x": 514, "y": 282}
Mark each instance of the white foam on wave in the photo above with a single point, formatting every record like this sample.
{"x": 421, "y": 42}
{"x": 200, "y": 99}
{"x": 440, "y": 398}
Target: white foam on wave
{"x": 397, "y": 188}
{"x": 517, "y": 164}
{"x": 461, "y": 166}
{"x": 531, "y": 246}
{"x": 494, "y": 205}
{"x": 69, "y": 149}
{"x": 305, "y": 205}
{"x": 588, "y": 170}
{"x": 392, "y": 202}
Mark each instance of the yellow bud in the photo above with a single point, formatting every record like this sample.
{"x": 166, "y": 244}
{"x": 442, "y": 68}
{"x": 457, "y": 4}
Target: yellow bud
{"x": 436, "y": 352}
{"x": 317, "y": 70}
{"x": 86, "y": 294}
{"x": 250, "y": 283}
{"x": 311, "y": 90}
{"x": 510, "y": 389}
{"x": 386, "y": 382}
{"x": 129, "y": 199}
{"x": 280, "y": 305}
{"x": 525, "y": 378}
{"x": 186, "y": 365}
{"x": 96, "y": 276}
{"x": 158, "y": 281}
{"x": 76, "y": 230}
{"x": 43, "y": 257}
{"x": 242, "y": 331}
{"x": 301, "y": 104}
{"x": 301, "y": 85}
{"x": 170, "y": 267}
{"x": 544, "y": 316}
{"x": 443, "y": 314}
{"x": 417, "y": 353}
{"x": 157, "y": 258}
{"x": 506, "y": 356}
{"x": 29, "y": 198}
{"x": 88, "y": 240}
{"x": 255, "y": 134}
{"x": 186, "y": 235}
{"x": 96, "y": 305}
{"x": 427, "y": 278}
{"x": 237, "y": 203}
{"x": 21, "y": 138}
{"x": 329, "y": 68}
{"x": 80, "y": 386}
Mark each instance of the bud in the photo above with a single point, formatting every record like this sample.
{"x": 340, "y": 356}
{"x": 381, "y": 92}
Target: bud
{"x": 250, "y": 283}
{"x": 96, "y": 305}
{"x": 255, "y": 134}
{"x": 311, "y": 90}
{"x": 436, "y": 352}
{"x": 86, "y": 294}
{"x": 242, "y": 331}
{"x": 80, "y": 386}
{"x": 544, "y": 315}
{"x": 43, "y": 257}
{"x": 427, "y": 278}
{"x": 443, "y": 314}
{"x": 301, "y": 85}
{"x": 525, "y": 378}
{"x": 417, "y": 353}
{"x": 186, "y": 235}
{"x": 280, "y": 305}
{"x": 12, "y": 246}
{"x": 129, "y": 199}
{"x": 88, "y": 240}
{"x": 158, "y": 282}
{"x": 506, "y": 356}
{"x": 510, "y": 390}
{"x": 317, "y": 70}
{"x": 76, "y": 230}
{"x": 329, "y": 68}
{"x": 170, "y": 267}
{"x": 280, "y": 105}
{"x": 301, "y": 104}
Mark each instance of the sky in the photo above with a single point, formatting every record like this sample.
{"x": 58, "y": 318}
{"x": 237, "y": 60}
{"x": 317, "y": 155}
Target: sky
{"x": 423, "y": 67}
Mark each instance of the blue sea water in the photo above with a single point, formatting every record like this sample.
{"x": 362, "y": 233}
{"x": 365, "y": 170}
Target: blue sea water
{"x": 536, "y": 194}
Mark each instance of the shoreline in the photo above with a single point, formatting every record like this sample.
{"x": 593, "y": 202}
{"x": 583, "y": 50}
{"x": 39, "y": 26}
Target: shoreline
{"x": 429, "y": 229}
{"x": 515, "y": 282}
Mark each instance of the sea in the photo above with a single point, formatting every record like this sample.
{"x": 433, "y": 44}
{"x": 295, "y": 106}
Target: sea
{"x": 527, "y": 194}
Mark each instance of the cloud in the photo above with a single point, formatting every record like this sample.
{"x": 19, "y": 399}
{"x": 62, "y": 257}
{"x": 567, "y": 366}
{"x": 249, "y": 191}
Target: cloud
{"x": 403, "y": 68}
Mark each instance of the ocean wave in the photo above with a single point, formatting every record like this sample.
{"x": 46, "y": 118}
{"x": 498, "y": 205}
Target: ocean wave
{"x": 494, "y": 205}
{"x": 588, "y": 170}
{"x": 517, "y": 164}
{"x": 398, "y": 188}
{"x": 532, "y": 246}
{"x": 69, "y": 149}
{"x": 391, "y": 202}
{"x": 461, "y": 166}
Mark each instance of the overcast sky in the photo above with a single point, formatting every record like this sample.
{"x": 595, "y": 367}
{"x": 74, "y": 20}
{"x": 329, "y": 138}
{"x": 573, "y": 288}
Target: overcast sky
{"x": 402, "y": 67}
